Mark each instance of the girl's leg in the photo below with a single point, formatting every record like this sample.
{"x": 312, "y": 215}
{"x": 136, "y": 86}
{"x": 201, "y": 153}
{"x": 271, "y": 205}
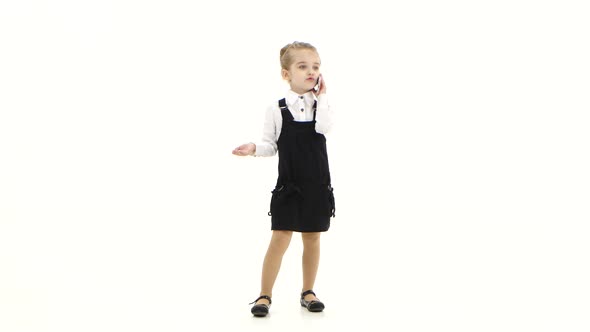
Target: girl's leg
{"x": 311, "y": 261}
{"x": 279, "y": 243}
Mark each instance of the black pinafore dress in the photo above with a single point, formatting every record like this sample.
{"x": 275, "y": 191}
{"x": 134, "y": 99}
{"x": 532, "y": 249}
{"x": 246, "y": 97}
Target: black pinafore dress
{"x": 303, "y": 199}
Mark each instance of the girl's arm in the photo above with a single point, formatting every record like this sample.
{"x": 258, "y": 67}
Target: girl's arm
{"x": 324, "y": 117}
{"x": 267, "y": 147}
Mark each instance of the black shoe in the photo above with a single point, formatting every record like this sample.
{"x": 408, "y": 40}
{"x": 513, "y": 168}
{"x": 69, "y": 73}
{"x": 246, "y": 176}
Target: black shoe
{"x": 261, "y": 310}
{"x": 313, "y": 305}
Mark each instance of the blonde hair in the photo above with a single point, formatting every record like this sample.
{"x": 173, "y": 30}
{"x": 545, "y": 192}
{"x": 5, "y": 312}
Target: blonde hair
{"x": 287, "y": 54}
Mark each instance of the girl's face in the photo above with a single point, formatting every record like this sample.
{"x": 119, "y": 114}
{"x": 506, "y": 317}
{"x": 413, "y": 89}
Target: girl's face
{"x": 304, "y": 71}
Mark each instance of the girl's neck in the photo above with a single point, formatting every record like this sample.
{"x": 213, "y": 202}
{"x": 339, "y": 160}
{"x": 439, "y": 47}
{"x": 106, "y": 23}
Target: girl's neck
{"x": 299, "y": 92}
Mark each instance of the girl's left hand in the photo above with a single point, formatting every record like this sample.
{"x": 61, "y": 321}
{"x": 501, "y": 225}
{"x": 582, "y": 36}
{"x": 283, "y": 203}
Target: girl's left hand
{"x": 321, "y": 86}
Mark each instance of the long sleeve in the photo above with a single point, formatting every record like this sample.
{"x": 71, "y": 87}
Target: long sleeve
{"x": 324, "y": 115}
{"x": 267, "y": 147}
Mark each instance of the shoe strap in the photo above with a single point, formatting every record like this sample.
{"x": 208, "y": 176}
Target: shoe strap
{"x": 307, "y": 292}
{"x": 266, "y": 297}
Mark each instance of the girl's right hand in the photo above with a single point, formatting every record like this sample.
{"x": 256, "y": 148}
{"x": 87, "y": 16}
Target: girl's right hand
{"x": 247, "y": 149}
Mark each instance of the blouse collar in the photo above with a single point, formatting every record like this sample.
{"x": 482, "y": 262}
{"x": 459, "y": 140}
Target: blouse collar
{"x": 309, "y": 97}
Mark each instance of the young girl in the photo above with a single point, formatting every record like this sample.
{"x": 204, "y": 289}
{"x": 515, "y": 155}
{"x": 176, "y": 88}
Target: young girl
{"x": 302, "y": 200}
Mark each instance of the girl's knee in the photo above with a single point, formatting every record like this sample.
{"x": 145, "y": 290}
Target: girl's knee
{"x": 310, "y": 238}
{"x": 281, "y": 237}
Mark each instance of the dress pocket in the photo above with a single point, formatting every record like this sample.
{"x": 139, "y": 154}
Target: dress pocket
{"x": 319, "y": 201}
{"x": 332, "y": 201}
{"x": 274, "y": 200}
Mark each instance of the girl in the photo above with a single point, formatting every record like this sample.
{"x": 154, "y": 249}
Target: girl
{"x": 302, "y": 200}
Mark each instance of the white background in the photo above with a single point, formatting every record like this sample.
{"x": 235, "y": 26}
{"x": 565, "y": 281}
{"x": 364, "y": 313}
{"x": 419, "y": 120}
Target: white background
{"x": 460, "y": 165}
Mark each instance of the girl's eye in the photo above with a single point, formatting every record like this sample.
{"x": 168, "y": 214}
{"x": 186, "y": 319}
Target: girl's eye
{"x": 316, "y": 68}
{"x": 301, "y": 67}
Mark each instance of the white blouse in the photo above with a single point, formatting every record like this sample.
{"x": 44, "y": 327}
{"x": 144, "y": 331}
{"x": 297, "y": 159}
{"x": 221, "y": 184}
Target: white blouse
{"x": 301, "y": 107}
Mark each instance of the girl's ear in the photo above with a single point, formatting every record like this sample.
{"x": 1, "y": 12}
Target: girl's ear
{"x": 285, "y": 74}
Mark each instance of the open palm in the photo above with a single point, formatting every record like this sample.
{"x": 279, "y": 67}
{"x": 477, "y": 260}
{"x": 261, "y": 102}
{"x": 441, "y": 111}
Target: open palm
{"x": 245, "y": 149}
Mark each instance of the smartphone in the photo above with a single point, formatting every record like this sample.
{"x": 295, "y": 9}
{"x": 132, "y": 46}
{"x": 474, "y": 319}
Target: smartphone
{"x": 318, "y": 83}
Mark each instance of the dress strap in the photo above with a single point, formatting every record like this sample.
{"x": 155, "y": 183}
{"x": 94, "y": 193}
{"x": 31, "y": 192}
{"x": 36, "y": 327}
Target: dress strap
{"x": 287, "y": 116}
{"x": 283, "y": 104}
